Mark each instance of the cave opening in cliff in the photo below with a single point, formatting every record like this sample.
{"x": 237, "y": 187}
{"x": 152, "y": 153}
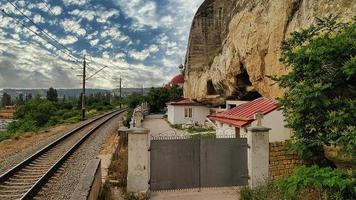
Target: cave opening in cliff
{"x": 245, "y": 90}
{"x": 210, "y": 87}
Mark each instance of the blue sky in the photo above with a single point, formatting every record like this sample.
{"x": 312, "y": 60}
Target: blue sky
{"x": 143, "y": 41}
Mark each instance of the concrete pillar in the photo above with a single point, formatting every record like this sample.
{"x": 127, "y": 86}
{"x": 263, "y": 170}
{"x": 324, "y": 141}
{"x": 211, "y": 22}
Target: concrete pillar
{"x": 258, "y": 155}
{"x": 138, "y": 161}
{"x": 138, "y": 119}
{"x": 123, "y": 133}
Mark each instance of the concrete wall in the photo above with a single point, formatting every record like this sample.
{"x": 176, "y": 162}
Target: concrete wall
{"x": 138, "y": 160}
{"x": 176, "y": 114}
{"x": 225, "y": 130}
{"x": 273, "y": 120}
{"x": 89, "y": 185}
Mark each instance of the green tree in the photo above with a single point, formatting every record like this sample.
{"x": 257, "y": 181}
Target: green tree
{"x": 157, "y": 98}
{"x": 5, "y": 100}
{"x": 20, "y": 100}
{"x": 28, "y": 97}
{"x": 320, "y": 102}
{"x": 175, "y": 93}
{"x": 52, "y": 94}
{"x": 134, "y": 100}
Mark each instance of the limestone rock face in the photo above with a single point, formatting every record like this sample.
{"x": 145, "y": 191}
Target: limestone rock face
{"x": 235, "y": 44}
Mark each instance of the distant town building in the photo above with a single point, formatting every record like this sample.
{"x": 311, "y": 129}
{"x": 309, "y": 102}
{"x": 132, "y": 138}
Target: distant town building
{"x": 235, "y": 121}
{"x": 187, "y": 111}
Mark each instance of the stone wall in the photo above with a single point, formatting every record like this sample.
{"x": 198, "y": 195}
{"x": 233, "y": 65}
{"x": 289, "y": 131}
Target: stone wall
{"x": 281, "y": 162}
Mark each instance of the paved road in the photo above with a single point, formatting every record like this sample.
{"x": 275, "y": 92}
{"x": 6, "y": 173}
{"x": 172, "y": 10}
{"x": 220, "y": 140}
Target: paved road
{"x": 204, "y": 194}
{"x": 160, "y": 127}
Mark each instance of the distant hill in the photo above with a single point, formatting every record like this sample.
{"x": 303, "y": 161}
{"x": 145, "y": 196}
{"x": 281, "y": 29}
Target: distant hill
{"x": 69, "y": 92}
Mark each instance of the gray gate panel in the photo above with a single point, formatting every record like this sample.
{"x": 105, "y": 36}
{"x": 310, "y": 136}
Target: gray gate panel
{"x": 174, "y": 164}
{"x": 223, "y": 162}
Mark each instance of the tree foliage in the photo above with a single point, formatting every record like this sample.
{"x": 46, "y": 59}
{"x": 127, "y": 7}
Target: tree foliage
{"x": 5, "y": 100}
{"x": 52, "y": 94}
{"x": 320, "y": 103}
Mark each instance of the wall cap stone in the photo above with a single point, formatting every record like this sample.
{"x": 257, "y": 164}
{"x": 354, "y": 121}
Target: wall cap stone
{"x": 139, "y": 131}
{"x": 258, "y": 129}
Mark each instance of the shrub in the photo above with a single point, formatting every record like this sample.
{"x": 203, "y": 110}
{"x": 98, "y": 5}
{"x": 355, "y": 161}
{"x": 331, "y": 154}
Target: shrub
{"x": 320, "y": 102}
{"x": 327, "y": 182}
{"x": 268, "y": 191}
{"x": 305, "y": 183}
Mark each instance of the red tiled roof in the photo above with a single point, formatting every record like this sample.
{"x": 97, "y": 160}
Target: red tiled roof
{"x": 243, "y": 114}
{"x": 177, "y": 80}
{"x": 184, "y": 102}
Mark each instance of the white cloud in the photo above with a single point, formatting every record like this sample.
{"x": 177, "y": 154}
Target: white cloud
{"x": 38, "y": 19}
{"x": 103, "y": 16}
{"x": 57, "y": 10}
{"x": 70, "y": 39}
{"x": 139, "y": 55}
{"x": 94, "y": 42}
{"x": 73, "y": 27}
{"x": 144, "y": 54}
{"x": 86, "y": 14}
{"x": 74, "y": 2}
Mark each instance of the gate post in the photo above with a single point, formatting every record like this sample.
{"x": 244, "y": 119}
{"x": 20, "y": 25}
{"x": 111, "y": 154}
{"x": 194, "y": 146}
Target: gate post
{"x": 138, "y": 161}
{"x": 258, "y": 155}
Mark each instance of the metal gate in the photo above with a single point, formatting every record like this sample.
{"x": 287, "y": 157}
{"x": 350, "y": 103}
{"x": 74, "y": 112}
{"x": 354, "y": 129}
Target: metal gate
{"x": 181, "y": 163}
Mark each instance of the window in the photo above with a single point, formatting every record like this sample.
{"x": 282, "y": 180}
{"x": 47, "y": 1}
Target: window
{"x": 188, "y": 112}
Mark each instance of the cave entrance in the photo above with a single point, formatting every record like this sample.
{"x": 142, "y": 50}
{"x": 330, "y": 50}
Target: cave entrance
{"x": 210, "y": 88}
{"x": 245, "y": 91}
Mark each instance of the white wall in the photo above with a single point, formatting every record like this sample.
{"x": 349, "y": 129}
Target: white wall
{"x": 170, "y": 113}
{"x": 273, "y": 120}
{"x": 176, "y": 114}
{"x": 224, "y": 130}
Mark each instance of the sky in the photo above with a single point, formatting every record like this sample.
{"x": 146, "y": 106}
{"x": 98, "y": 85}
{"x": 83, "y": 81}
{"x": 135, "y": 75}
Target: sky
{"x": 143, "y": 41}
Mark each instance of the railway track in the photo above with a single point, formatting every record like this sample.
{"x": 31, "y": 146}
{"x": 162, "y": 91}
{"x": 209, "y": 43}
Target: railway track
{"x": 24, "y": 180}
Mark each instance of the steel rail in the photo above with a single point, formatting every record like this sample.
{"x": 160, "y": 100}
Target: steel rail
{"x": 43, "y": 180}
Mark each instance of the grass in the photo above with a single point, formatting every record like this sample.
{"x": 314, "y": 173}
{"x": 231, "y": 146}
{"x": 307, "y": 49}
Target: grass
{"x": 16, "y": 129}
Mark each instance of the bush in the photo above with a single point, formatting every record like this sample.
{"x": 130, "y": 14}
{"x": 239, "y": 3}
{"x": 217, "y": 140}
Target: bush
{"x": 327, "y": 182}
{"x": 305, "y": 183}
{"x": 268, "y": 191}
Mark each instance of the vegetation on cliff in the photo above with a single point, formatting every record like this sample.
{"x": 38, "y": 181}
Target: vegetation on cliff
{"x": 320, "y": 108}
{"x": 320, "y": 102}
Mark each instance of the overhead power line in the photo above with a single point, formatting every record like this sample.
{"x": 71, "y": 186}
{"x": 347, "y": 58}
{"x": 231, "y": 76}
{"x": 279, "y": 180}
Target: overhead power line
{"x": 34, "y": 32}
{"x": 47, "y": 6}
{"x": 44, "y": 31}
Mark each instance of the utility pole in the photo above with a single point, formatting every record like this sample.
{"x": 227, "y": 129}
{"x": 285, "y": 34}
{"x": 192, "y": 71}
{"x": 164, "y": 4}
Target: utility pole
{"x": 83, "y": 92}
{"x": 120, "y": 91}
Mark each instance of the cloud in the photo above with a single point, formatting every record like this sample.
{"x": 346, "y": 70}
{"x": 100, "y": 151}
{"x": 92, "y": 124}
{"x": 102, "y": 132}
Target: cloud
{"x": 141, "y": 11}
{"x": 94, "y": 42}
{"x": 73, "y": 27}
{"x": 56, "y": 10}
{"x": 38, "y": 19}
{"x": 70, "y": 39}
{"x": 75, "y": 2}
{"x": 141, "y": 40}
{"x": 144, "y": 54}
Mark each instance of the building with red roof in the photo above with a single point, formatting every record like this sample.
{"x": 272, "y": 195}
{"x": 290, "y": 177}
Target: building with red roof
{"x": 186, "y": 111}
{"x": 234, "y": 121}
{"x": 178, "y": 80}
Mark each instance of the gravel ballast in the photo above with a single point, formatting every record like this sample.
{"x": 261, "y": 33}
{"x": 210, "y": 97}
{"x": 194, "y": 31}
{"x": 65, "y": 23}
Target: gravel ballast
{"x": 63, "y": 184}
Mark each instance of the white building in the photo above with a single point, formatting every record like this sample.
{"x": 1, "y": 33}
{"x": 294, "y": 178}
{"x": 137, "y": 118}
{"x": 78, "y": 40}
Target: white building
{"x": 235, "y": 121}
{"x": 187, "y": 111}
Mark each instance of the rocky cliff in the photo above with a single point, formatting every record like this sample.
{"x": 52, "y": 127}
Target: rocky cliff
{"x": 235, "y": 44}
